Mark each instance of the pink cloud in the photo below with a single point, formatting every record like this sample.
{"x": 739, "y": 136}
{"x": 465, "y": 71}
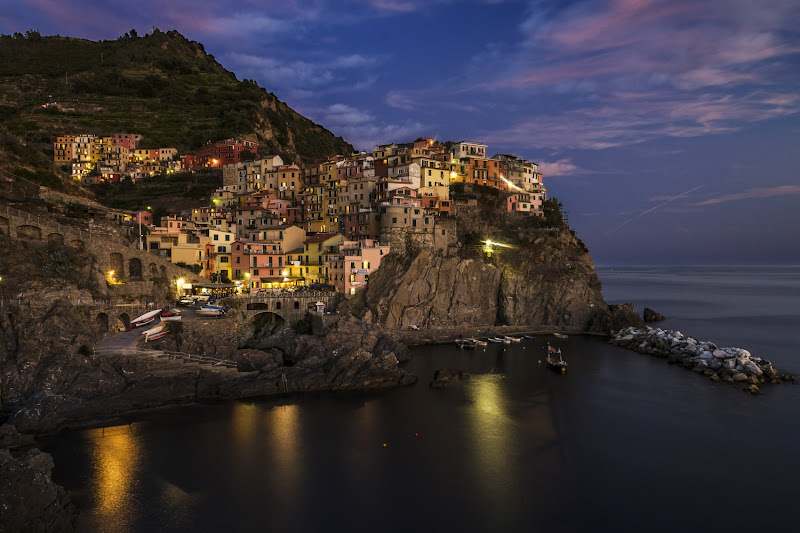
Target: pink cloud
{"x": 766, "y": 192}
{"x": 562, "y": 167}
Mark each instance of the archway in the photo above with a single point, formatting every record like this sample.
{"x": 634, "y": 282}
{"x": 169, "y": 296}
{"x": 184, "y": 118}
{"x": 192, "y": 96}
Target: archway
{"x": 135, "y": 269}
{"x": 55, "y": 239}
{"x": 31, "y": 233}
{"x": 102, "y": 322}
{"x": 267, "y": 320}
{"x": 125, "y": 320}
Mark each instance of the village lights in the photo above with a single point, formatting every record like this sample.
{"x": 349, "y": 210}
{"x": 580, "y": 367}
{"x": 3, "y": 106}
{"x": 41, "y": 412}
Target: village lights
{"x": 110, "y": 277}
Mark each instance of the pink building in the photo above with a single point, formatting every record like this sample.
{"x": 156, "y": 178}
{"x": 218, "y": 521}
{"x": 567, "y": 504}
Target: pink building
{"x": 350, "y": 270}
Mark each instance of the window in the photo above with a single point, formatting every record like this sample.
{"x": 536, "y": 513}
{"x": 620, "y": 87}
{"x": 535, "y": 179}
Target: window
{"x": 394, "y": 220}
{"x": 227, "y": 237}
{"x": 255, "y": 272}
{"x": 223, "y": 259}
{"x": 216, "y": 237}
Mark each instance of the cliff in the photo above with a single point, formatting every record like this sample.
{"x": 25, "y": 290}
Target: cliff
{"x": 542, "y": 277}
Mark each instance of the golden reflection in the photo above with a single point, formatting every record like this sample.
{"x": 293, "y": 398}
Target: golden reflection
{"x": 494, "y": 432}
{"x": 245, "y": 422}
{"x": 116, "y": 462}
{"x": 284, "y": 424}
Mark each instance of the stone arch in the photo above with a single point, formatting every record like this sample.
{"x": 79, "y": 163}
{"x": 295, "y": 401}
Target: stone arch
{"x": 78, "y": 245}
{"x": 153, "y": 269}
{"x": 55, "y": 239}
{"x": 31, "y": 233}
{"x": 258, "y": 306}
{"x": 265, "y": 320}
{"x": 117, "y": 265}
{"x": 135, "y": 269}
{"x": 102, "y": 322}
{"x": 125, "y": 320}
{"x": 5, "y": 228}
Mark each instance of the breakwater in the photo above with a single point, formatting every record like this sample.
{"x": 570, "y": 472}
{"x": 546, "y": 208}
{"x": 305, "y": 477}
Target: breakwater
{"x": 733, "y": 365}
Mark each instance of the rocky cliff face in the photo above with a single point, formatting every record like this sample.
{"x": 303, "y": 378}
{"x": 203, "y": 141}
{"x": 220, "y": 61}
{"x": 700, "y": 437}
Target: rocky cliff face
{"x": 548, "y": 283}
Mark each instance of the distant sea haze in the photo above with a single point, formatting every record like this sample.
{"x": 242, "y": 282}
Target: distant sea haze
{"x": 622, "y": 442}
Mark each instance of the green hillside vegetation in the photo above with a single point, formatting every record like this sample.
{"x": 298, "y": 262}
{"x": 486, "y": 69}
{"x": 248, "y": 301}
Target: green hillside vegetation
{"x": 162, "y": 86}
{"x": 185, "y": 189}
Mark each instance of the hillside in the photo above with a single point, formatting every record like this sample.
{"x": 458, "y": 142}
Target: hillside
{"x": 162, "y": 86}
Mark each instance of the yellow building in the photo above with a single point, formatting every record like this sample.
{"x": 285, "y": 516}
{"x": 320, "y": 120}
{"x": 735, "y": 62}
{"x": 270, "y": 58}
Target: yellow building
{"x": 315, "y": 253}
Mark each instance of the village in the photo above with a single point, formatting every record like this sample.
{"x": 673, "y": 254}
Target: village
{"x": 274, "y": 225}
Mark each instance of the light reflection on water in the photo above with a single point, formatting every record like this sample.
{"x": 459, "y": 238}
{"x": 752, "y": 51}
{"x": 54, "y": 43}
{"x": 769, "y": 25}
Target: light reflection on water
{"x": 115, "y": 460}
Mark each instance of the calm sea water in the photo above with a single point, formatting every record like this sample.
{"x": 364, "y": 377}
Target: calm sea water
{"x": 623, "y": 442}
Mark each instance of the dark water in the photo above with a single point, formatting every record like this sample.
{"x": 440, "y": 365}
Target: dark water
{"x": 624, "y": 442}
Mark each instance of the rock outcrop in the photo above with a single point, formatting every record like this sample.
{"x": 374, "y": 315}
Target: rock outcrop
{"x": 652, "y": 316}
{"x": 29, "y": 500}
{"x": 444, "y": 377}
{"x": 548, "y": 284}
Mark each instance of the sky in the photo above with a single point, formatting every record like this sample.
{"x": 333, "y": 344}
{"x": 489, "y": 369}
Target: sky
{"x": 669, "y": 129}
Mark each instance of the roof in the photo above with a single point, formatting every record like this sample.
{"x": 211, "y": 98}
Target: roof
{"x": 320, "y": 237}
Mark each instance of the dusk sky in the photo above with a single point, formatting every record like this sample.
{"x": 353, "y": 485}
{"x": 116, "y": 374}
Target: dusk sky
{"x": 668, "y": 128}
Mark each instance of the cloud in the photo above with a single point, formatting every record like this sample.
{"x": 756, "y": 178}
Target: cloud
{"x": 666, "y": 202}
{"x": 562, "y": 167}
{"x": 750, "y": 194}
{"x": 363, "y": 129}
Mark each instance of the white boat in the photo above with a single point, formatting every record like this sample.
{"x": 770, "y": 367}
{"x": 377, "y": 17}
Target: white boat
{"x": 145, "y": 319}
{"x": 478, "y": 342}
{"x": 155, "y": 333}
{"x": 560, "y": 335}
{"x": 466, "y": 343}
{"x": 513, "y": 339}
{"x": 209, "y": 311}
{"x": 499, "y": 340}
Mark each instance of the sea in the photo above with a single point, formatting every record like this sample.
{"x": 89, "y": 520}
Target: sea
{"x": 621, "y": 442}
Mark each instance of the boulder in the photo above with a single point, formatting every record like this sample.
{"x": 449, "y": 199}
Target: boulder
{"x": 753, "y": 368}
{"x": 739, "y": 376}
{"x": 444, "y": 377}
{"x": 652, "y": 316}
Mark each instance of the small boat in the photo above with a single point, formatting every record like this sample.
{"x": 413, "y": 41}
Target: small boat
{"x": 210, "y": 310}
{"x": 494, "y": 340}
{"x": 155, "y": 333}
{"x": 513, "y": 339}
{"x": 479, "y": 342}
{"x": 145, "y": 319}
{"x": 467, "y": 344}
{"x": 557, "y": 364}
{"x": 529, "y": 337}
{"x": 560, "y": 335}
{"x": 185, "y": 301}
{"x": 170, "y": 314}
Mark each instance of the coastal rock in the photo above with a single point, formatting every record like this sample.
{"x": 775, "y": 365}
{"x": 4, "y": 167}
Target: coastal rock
{"x": 29, "y": 500}
{"x": 652, "y": 316}
{"x": 444, "y": 377}
{"x": 753, "y": 368}
{"x": 739, "y": 376}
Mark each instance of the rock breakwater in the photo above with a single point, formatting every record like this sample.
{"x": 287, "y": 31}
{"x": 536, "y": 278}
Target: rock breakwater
{"x": 733, "y": 365}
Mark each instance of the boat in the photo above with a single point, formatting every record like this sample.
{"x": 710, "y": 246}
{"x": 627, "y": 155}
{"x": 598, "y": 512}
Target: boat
{"x": 210, "y": 310}
{"x": 145, "y": 319}
{"x": 557, "y": 364}
{"x": 155, "y": 333}
{"x": 467, "y": 344}
{"x": 170, "y": 314}
{"x": 479, "y": 342}
{"x": 185, "y": 301}
{"x": 560, "y": 335}
{"x": 513, "y": 339}
{"x": 529, "y": 337}
{"x": 494, "y": 340}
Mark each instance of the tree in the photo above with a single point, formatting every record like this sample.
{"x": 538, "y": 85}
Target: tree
{"x": 133, "y": 34}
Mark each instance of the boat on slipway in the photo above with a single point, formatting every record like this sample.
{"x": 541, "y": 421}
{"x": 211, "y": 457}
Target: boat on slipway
{"x": 211, "y": 310}
{"x": 155, "y": 332}
{"x": 145, "y": 319}
{"x": 170, "y": 314}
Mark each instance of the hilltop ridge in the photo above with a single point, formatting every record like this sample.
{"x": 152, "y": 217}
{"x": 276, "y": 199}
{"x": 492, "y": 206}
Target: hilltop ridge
{"x": 161, "y": 85}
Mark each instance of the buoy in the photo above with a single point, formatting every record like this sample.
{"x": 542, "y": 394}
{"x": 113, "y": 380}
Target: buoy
{"x": 384, "y": 445}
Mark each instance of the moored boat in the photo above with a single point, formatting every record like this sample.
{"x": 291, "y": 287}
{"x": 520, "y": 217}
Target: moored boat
{"x": 512, "y": 339}
{"x": 560, "y": 335}
{"x": 554, "y": 359}
{"x": 468, "y": 344}
{"x": 529, "y": 337}
{"x": 494, "y": 340}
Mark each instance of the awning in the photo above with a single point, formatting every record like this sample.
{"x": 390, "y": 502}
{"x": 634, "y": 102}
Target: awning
{"x": 281, "y": 279}
{"x": 214, "y": 285}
